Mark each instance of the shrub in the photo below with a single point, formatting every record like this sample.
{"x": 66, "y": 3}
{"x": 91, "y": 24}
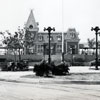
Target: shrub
{"x": 61, "y": 69}
{"x": 78, "y": 59}
{"x": 78, "y": 64}
{"x": 44, "y": 68}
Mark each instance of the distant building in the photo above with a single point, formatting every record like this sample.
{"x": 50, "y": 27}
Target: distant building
{"x": 85, "y": 49}
{"x": 37, "y": 42}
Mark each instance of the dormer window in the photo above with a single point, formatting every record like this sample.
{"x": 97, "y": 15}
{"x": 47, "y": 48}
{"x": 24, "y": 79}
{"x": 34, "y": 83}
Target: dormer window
{"x": 59, "y": 38}
{"x": 51, "y": 38}
{"x": 72, "y": 35}
{"x": 40, "y": 38}
{"x": 31, "y": 26}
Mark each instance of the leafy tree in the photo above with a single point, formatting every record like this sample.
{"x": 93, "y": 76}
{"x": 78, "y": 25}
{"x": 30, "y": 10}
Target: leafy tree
{"x": 14, "y": 42}
{"x": 91, "y": 43}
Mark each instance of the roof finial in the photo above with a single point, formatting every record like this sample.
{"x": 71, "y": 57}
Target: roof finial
{"x": 31, "y": 9}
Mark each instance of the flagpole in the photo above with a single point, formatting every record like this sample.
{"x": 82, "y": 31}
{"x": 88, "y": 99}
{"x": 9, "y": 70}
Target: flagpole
{"x": 62, "y": 34}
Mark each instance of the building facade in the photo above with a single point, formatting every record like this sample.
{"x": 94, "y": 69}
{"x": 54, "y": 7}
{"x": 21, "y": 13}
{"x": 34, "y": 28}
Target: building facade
{"x": 37, "y": 42}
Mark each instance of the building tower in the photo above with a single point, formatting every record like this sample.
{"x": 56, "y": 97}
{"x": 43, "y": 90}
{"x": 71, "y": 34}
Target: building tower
{"x": 31, "y": 30}
{"x": 72, "y": 41}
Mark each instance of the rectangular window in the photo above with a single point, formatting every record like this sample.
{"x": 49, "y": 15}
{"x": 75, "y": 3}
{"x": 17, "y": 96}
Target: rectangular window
{"x": 40, "y": 48}
{"x": 59, "y": 48}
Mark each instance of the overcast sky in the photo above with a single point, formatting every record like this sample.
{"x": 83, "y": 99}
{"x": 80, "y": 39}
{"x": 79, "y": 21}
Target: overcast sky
{"x": 79, "y": 14}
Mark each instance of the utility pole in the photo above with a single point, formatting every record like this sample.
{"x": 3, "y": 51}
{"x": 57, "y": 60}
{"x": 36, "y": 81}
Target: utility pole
{"x": 62, "y": 33}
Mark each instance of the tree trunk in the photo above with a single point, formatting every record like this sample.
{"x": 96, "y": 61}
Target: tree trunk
{"x": 19, "y": 55}
{"x": 14, "y": 55}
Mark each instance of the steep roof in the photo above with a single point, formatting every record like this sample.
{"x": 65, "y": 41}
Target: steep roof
{"x": 31, "y": 21}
